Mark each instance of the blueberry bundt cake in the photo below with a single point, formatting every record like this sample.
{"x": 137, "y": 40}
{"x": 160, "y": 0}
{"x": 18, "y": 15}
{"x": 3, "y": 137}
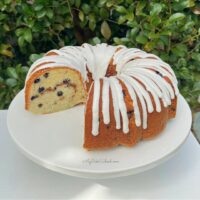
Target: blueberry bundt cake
{"x": 128, "y": 94}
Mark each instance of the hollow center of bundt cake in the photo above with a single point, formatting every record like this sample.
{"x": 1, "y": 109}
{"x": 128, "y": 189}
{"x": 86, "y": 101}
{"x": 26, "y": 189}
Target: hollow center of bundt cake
{"x": 111, "y": 71}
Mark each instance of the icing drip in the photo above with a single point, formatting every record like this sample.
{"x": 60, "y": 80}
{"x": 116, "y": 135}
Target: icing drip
{"x": 105, "y": 101}
{"x": 145, "y": 76}
{"x": 134, "y": 100}
{"x": 88, "y": 54}
{"x": 124, "y": 55}
{"x": 95, "y": 108}
{"x": 162, "y": 84}
{"x": 154, "y": 64}
{"x": 150, "y": 88}
{"x": 141, "y": 98}
{"x": 121, "y": 104}
{"x": 115, "y": 103}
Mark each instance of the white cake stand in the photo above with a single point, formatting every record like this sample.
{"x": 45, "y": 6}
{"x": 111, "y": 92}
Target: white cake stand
{"x": 54, "y": 141}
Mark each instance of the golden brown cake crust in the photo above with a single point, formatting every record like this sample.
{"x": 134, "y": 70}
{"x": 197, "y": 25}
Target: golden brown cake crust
{"x": 109, "y": 136}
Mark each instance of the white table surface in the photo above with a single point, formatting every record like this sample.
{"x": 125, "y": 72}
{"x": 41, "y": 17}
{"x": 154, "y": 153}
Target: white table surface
{"x": 20, "y": 178}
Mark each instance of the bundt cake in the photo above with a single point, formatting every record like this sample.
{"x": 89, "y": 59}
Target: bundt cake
{"x": 129, "y": 94}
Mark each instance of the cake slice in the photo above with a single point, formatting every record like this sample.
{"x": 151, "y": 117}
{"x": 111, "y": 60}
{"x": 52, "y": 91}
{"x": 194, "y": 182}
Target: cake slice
{"x": 54, "y": 89}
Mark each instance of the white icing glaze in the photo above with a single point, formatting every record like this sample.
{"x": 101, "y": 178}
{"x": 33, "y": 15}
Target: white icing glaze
{"x": 121, "y": 103}
{"x": 150, "y": 88}
{"x": 141, "y": 98}
{"x": 134, "y": 99}
{"x": 143, "y": 74}
{"x": 95, "y": 108}
{"x": 105, "y": 101}
{"x": 67, "y": 56}
{"x": 115, "y": 103}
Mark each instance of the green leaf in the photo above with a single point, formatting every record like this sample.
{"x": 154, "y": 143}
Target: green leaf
{"x": 34, "y": 57}
{"x": 37, "y": 28}
{"x": 166, "y": 32}
{"x": 11, "y": 82}
{"x": 129, "y": 1}
{"x": 101, "y": 2}
{"x": 6, "y": 27}
{"x": 1, "y": 80}
{"x": 28, "y": 35}
{"x": 149, "y": 46}
{"x": 164, "y": 39}
{"x": 130, "y": 16}
{"x": 19, "y": 31}
{"x": 120, "y": 9}
{"x": 197, "y": 86}
{"x": 182, "y": 47}
{"x": 117, "y": 40}
{"x": 105, "y": 30}
{"x": 92, "y": 25}
{"x": 2, "y": 16}
{"x": 30, "y": 22}
{"x": 38, "y": 7}
{"x": 180, "y": 5}
{"x": 5, "y": 49}
{"x": 139, "y": 8}
{"x": 176, "y": 17}
{"x": 180, "y": 50}
{"x": 142, "y": 39}
{"x": 77, "y": 3}
{"x": 152, "y": 35}
{"x": 196, "y": 56}
{"x": 125, "y": 40}
{"x": 134, "y": 31}
{"x": 110, "y": 3}
{"x": 104, "y": 13}
{"x": 59, "y": 27}
{"x": 21, "y": 41}
{"x": 86, "y": 8}
{"x": 12, "y": 72}
{"x": 92, "y": 22}
{"x": 81, "y": 15}
{"x": 188, "y": 25}
{"x": 155, "y": 20}
{"x": 7, "y": 1}
{"x": 96, "y": 40}
{"x": 157, "y": 8}
{"x": 27, "y": 10}
{"x": 49, "y": 13}
{"x": 41, "y": 14}
{"x": 24, "y": 69}
{"x": 122, "y": 19}
{"x": 182, "y": 62}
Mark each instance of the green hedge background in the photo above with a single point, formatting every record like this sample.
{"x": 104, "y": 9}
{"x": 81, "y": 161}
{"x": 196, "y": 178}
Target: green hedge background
{"x": 170, "y": 29}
